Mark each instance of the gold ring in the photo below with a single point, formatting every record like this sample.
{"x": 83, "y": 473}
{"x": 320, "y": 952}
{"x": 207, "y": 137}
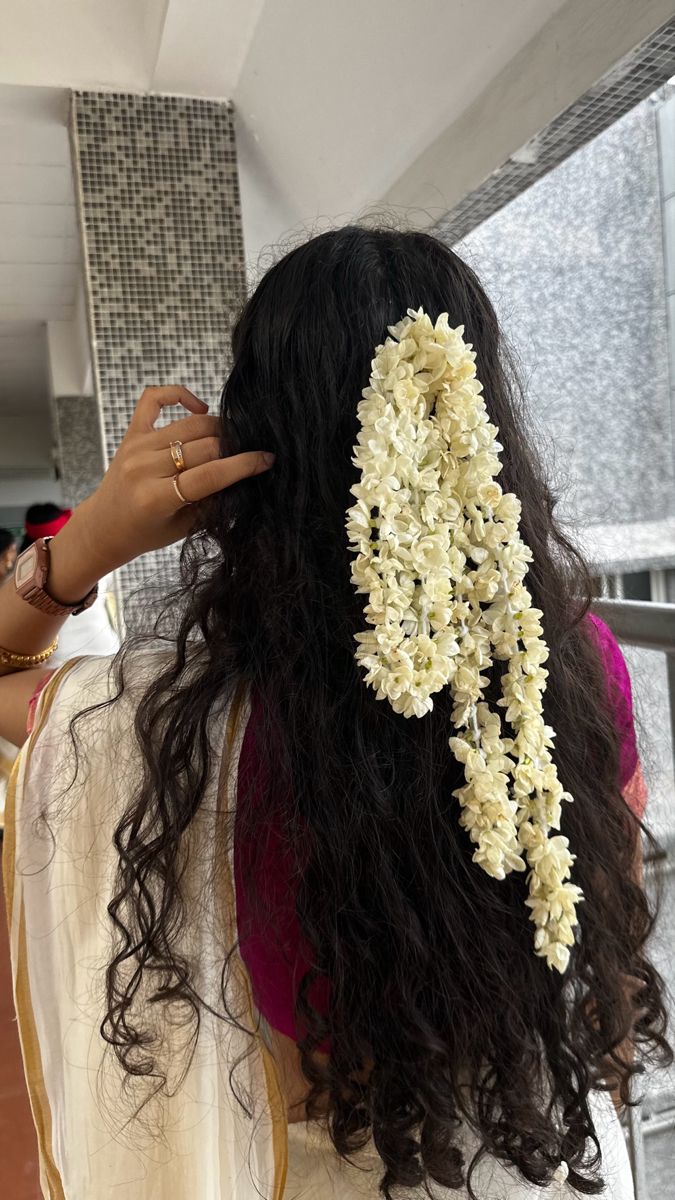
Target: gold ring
{"x": 176, "y": 449}
{"x": 178, "y": 492}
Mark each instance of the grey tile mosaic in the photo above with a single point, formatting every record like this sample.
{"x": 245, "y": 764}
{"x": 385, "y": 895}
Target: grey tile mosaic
{"x": 79, "y": 447}
{"x": 160, "y": 222}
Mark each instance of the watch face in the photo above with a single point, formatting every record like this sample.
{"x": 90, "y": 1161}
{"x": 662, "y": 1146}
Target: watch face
{"x": 26, "y": 566}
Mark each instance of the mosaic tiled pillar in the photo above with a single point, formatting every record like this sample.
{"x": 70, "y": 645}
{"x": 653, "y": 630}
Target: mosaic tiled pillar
{"x": 159, "y": 212}
{"x": 79, "y": 449}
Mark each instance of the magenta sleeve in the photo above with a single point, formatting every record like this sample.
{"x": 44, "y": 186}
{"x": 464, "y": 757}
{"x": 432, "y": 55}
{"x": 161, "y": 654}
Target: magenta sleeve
{"x": 620, "y": 698}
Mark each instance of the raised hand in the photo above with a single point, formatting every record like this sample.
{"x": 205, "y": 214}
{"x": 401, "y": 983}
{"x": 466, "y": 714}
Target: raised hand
{"x": 145, "y": 500}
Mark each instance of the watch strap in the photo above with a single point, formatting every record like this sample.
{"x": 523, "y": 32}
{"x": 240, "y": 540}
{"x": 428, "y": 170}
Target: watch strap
{"x": 30, "y": 577}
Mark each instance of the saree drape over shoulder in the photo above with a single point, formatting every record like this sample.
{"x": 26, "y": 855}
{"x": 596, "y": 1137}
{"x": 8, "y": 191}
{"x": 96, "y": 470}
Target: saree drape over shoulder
{"x": 101, "y": 1135}
{"x": 60, "y": 866}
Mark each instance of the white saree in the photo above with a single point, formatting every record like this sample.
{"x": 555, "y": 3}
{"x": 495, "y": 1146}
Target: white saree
{"x": 195, "y": 1141}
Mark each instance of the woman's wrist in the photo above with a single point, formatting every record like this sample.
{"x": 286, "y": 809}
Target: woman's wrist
{"x": 75, "y": 564}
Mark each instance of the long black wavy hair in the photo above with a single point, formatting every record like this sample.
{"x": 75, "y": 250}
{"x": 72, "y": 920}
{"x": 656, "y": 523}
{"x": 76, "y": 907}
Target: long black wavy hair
{"x": 439, "y": 1010}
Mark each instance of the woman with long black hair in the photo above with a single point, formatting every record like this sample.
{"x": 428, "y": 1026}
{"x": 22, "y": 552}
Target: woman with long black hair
{"x": 329, "y": 885}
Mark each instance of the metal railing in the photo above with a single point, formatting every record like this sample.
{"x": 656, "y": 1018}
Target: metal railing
{"x": 649, "y": 627}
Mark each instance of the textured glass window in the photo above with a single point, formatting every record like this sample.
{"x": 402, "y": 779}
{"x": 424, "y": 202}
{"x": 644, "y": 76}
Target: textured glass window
{"x": 581, "y": 270}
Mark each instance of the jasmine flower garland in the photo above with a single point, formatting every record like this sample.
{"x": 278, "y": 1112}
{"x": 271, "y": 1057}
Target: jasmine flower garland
{"x": 439, "y": 555}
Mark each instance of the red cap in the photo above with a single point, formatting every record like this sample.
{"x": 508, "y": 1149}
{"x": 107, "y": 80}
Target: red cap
{"x": 48, "y": 528}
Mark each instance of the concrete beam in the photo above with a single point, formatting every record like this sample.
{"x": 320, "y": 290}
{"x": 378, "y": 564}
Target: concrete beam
{"x": 580, "y": 43}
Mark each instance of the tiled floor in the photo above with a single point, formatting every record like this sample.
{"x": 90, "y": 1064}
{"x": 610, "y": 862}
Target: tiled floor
{"x": 18, "y": 1155}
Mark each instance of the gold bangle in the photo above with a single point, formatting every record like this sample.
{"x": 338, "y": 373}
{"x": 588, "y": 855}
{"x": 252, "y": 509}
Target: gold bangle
{"x": 8, "y": 658}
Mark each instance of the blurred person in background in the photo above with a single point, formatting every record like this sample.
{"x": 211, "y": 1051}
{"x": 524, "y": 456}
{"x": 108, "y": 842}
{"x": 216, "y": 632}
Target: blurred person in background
{"x": 43, "y": 520}
{"x": 7, "y": 553}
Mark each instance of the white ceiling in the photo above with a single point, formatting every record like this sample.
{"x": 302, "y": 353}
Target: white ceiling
{"x": 39, "y": 255}
{"x": 82, "y": 43}
{"x": 339, "y": 105}
{"x": 38, "y": 244}
{"x": 340, "y": 98}
{"x": 204, "y": 44}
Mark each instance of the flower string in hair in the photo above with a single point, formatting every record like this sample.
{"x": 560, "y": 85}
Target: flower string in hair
{"x": 438, "y": 553}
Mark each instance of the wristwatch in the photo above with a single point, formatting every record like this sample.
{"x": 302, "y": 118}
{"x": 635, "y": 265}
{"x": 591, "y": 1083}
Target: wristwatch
{"x": 30, "y": 577}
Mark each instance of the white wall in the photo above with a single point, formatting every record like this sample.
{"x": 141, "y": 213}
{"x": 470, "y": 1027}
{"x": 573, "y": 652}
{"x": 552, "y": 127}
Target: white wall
{"x": 26, "y": 471}
{"x": 25, "y": 443}
{"x": 204, "y": 44}
{"x": 30, "y": 487}
{"x": 69, "y": 357}
{"x": 338, "y": 99}
{"x": 80, "y": 43}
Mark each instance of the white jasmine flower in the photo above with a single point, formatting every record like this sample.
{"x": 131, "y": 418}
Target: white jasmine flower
{"x": 438, "y": 552}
